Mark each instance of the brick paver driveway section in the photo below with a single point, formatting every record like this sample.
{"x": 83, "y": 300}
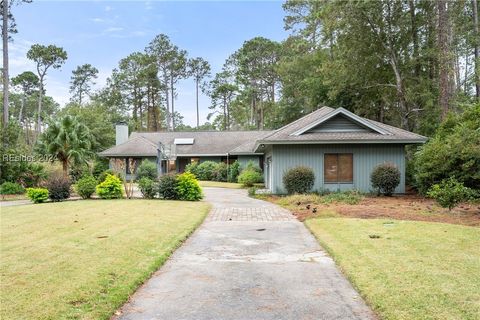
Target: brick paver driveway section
{"x": 249, "y": 260}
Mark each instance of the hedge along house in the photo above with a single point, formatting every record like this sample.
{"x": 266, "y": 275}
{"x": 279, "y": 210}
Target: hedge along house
{"x": 341, "y": 148}
{"x": 173, "y": 151}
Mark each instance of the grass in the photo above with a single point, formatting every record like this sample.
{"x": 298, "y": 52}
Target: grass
{"x": 82, "y": 259}
{"x": 407, "y": 269}
{"x": 217, "y": 184}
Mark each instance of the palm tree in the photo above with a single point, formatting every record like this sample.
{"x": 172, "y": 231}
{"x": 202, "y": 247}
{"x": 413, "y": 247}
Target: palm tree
{"x": 68, "y": 140}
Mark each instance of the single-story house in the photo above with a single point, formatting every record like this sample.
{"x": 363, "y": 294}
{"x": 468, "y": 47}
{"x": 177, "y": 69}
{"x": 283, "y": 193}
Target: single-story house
{"x": 341, "y": 147}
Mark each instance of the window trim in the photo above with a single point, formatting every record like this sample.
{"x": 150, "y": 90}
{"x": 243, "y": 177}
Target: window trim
{"x": 337, "y": 155}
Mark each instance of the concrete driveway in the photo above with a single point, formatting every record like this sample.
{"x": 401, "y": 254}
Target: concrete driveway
{"x": 249, "y": 260}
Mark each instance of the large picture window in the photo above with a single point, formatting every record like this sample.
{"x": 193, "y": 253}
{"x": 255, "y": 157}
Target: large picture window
{"x": 338, "y": 168}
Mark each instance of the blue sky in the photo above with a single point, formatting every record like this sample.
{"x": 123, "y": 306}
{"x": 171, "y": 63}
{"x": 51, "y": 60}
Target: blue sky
{"x": 103, "y": 32}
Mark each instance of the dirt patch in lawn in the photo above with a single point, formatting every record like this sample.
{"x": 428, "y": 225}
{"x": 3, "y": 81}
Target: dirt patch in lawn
{"x": 407, "y": 207}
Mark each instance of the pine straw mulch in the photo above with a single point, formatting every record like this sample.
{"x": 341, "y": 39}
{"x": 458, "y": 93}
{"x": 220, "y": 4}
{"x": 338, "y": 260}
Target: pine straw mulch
{"x": 405, "y": 207}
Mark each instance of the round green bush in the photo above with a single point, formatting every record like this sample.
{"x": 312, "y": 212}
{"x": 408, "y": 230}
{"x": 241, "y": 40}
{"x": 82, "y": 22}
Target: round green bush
{"x": 188, "y": 188}
{"x": 220, "y": 172}
{"x": 192, "y": 168}
{"x": 299, "y": 180}
{"x": 248, "y": 177}
{"x": 37, "y": 195}
{"x": 110, "y": 188}
{"x": 58, "y": 187}
{"x": 449, "y": 193}
{"x": 205, "y": 170}
{"x": 167, "y": 187}
{"x": 147, "y": 169}
{"x": 85, "y": 186}
{"x": 11, "y": 188}
{"x": 105, "y": 173}
{"x": 385, "y": 178}
{"x": 147, "y": 188}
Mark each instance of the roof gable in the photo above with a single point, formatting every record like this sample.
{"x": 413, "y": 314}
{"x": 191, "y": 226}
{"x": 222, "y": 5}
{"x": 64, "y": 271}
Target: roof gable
{"x": 340, "y": 120}
{"x": 339, "y": 123}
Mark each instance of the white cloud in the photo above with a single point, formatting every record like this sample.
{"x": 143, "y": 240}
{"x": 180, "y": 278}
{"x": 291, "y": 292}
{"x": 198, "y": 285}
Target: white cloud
{"x": 148, "y": 5}
{"x": 108, "y": 8}
{"x": 113, "y": 29}
{"x": 18, "y": 61}
{"x": 98, "y": 20}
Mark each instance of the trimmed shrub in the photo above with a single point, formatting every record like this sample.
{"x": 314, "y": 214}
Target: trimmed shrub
{"x": 37, "y": 195}
{"x": 248, "y": 177}
{"x": 107, "y": 172}
{"x": 85, "y": 186}
{"x": 167, "y": 187}
{"x": 192, "y": 168}
{"x": 147, "y": 169}
{"x": 147, "y": 188}
{"x": 233, "y": 172}
{"x": 205, "y": 170}
{"x": 299, "y": 180}
{"x": 449, "y": 193}
{"x": 58, "y": 187}
{"x": 188, "y": 187}
{"x": 11, "y": 188}
{"x": 252, "y": 166}
{"x": 110, "y": 188}
{"x": 220, "y": 172}
{"x": 385, "y": 178}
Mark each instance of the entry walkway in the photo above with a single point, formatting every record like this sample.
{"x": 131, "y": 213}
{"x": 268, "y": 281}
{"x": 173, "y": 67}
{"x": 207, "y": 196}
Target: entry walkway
{"x": 249, "y": 260}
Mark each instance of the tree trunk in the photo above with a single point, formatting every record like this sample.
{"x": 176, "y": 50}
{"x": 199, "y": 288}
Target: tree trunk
{"x": 444, "y": 59}
{"x": 22, "y": 105}
{"x": 167, "y": 99}
{"x": 5, "y": 62}
{"x": 172, "y": 96}
{"x": 477, "y": 48}
{"x": 413, "y": 21}
{"x": 39, "y": 110}
{"x": 65, "y": 168}
{"x": 196, "y": 94}
{"x": 224, "y": 113}
{"x": 400, "y": 92}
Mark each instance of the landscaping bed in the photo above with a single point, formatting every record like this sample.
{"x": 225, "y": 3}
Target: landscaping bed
{"x": 405, "y": 207}
{"x": 82, "y": 259}
{"x": 407, "y": 269}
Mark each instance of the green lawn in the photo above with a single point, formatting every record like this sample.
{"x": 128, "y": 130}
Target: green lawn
{"x": 217, "y": 184}
{"x": 415, "y": 270}
{"x": 82, "y": 259}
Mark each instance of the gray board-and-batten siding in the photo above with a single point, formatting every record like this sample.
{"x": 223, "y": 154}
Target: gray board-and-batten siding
{"x": 365, "y": 158}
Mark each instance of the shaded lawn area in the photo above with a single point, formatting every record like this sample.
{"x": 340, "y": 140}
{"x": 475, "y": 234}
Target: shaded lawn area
{"x": 217, "y": 184}
{"x": 82, "y": 259}
{"x": 415, "y": 270}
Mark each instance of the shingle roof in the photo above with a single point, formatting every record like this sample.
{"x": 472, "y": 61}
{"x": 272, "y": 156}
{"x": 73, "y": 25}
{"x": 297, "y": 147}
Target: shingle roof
{"x": 215, "y": 143}
{"x": 135, "y": 146}
{"x": 287, "y": 134}
{"x": 219, "y": 143}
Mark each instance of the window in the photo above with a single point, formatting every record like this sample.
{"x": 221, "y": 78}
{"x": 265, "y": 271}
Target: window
{"x": 338, "y": 168}
{"x": 194, "y": 160}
